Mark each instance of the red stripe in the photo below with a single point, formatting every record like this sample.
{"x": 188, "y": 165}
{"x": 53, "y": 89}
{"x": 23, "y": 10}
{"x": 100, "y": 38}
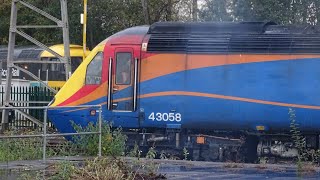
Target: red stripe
{"x": 84, "y": 91}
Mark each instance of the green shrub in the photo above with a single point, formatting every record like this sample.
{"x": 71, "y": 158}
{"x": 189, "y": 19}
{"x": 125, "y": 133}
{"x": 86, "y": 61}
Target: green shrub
{"x": 112, "y": 142}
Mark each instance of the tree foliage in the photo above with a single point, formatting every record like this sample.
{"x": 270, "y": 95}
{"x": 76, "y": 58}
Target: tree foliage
{"x": 106, "y": 17}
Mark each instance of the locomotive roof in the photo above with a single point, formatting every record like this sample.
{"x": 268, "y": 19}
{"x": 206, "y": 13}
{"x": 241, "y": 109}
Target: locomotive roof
{"x": 137, "y": 30}
{"x": 230, "y": 28}
{"x": 21, "y": 53}
{"x": 230, "y": 37}
{"x": 207, "y": 27}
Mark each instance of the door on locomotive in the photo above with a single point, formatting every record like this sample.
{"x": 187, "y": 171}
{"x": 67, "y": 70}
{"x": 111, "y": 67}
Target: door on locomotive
{"x": 123, "y": 87}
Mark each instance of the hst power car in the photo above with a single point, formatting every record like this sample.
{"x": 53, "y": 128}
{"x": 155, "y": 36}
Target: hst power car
{"x": 215, "y": 88}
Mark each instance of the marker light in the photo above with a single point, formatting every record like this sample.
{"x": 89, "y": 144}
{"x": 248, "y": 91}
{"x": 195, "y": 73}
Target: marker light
{"x": 92, "y": 112}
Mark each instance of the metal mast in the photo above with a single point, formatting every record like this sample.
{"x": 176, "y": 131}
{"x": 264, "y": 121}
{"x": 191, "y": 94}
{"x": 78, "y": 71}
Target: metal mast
{"x": 16, "y": 29}
{"x": 84, "y": 34}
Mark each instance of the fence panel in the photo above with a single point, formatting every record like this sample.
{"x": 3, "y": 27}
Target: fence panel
{"x": 21, "y": 97}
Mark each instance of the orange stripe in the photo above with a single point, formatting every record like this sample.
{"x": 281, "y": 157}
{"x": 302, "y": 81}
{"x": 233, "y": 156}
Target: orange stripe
{"x": 96, "y": 94}
{"x": 163, "y": 64}
{"x": 184, "y": 93}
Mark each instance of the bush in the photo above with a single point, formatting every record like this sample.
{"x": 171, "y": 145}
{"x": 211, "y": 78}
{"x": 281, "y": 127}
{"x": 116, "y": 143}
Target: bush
{"x": 112, "y": 142}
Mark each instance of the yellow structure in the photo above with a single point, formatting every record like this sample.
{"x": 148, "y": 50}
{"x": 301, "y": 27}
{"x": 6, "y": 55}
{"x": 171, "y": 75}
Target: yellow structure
{"x": 75, "y": 51}
{"x": 76, "y": 55}
{"x": 78, "y": 77}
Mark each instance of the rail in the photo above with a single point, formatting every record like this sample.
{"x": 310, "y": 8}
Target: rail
{"x": 44, "y": 134}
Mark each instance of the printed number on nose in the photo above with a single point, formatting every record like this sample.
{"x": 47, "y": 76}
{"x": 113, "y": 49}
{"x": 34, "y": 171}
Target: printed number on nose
{"x": 165, "y": 116}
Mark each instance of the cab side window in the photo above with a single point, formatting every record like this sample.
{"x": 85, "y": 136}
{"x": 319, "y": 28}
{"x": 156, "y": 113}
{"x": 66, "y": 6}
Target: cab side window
{"x": 123, "y": 68}
{"x": 94, "y": 69}
{"x": 75, "y": 62}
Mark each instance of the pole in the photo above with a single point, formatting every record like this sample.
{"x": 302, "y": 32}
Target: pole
{"x": 100, "y": 131}
{"x": 45, "y": 135}
{"x": 66, "y": 40}
{"x": 12, "y": 39}
{"x": 47, "y": 76}
{"x": 84, "y": 37}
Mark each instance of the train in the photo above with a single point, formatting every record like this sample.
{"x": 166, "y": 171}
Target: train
{"x": 227, "y": 90}
{"x": 53, "y": 74}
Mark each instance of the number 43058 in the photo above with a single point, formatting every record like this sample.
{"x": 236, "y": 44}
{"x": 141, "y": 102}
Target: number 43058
{"x": 165, "y": 116}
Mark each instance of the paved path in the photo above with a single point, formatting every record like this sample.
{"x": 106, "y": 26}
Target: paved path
{"x": 181, "y": 170}
{"x": 212, "y": 170}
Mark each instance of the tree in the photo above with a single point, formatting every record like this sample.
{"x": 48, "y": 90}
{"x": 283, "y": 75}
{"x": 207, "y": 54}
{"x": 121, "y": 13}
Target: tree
{"x": 5, "y": 8}
{"x": 194, "y": 10}
{"x": 145, "y": 7}
{"x": 106, "y": 17}
{"x": 216, "y": 10}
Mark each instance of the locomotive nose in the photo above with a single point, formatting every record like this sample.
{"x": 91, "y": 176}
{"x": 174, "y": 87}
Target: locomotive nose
{"x": 60, "y": 119}
{"x": 66, "y": 119}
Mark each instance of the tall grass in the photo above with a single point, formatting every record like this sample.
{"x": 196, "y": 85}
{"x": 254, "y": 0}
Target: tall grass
{"x": 21, "y": 148}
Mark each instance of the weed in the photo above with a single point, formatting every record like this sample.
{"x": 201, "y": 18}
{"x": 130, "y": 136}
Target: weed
{"x": 296, "y": 135}
{"x": 113, "y": 141}
{"x": 104, "y": 168}
{"x": 64, "y": 170}
{"x": 151, "y": 167}
{"x": 163, "y": 155}
{"x": 304, "y": 154}
{"x": 110, "y": 168}
{"x": 21, "y": 148}
{"x": 151, "y": 154}
{"x": 29, "y": 148}
{"x": 31, "y": 176}
{"x": 135, "y": 152}
{"x": 263, "y": 160}
{"x": 185, "y": 153}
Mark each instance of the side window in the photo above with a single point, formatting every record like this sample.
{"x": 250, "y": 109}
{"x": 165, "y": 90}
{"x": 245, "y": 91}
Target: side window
{"x": 123, "y": 68}
{"x": 94, "y": 70}
{"x": 75, "y": 62}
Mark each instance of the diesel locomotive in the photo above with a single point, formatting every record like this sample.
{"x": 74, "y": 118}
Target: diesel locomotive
{"x": 54, "y": 74}
{"x": 221, "y": 90}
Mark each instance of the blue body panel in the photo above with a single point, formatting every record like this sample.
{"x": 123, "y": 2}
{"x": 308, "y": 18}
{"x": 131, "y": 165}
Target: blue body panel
{"x": 264, "y": 84}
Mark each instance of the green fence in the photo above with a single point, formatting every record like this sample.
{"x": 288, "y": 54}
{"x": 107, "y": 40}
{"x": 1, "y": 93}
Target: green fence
{"x": 27, "y": 96}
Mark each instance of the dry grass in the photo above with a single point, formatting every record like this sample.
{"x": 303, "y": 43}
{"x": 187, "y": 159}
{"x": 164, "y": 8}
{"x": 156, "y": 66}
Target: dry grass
{"x": 306, "y": 168}
{"x": 261, "y": 167}
{"x": 101, "y": 169}
{"x": 233, "y": 165}
{"x": 105, "y": 168}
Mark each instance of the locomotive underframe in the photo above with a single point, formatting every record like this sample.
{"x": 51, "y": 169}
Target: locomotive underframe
{"x": 218, "y": 146}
